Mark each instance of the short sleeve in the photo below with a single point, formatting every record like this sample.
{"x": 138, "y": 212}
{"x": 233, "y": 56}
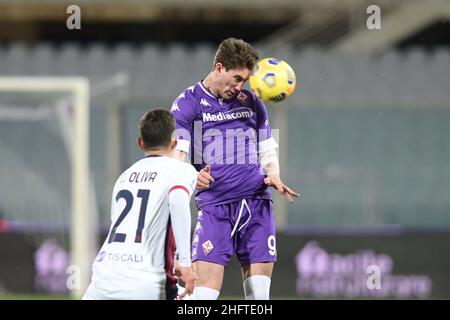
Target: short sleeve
{"x": 184, "y": 177}
{"x": 265, "y": 140}
{"x": 184, "y": 110}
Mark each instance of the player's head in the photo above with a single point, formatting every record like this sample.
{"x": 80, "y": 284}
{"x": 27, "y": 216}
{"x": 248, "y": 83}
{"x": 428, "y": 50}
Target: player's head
{"x": 234, "y": 61}
{"x": 156, "y": 129}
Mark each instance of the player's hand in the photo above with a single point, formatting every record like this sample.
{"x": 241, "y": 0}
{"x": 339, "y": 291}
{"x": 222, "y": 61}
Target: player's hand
{"x": 177, "y": 268}
{"x": 188, "y": 275}
{"x": 204, "y": 178}
{"x": 276, "y": 182}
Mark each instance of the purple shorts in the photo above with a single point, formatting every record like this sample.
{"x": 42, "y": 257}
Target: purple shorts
{"x": 246, "y": 227}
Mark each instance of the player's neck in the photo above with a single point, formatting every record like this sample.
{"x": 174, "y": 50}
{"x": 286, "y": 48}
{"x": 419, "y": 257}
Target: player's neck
{"x": 209, "y": 84}
{"x": 158, "y": 152}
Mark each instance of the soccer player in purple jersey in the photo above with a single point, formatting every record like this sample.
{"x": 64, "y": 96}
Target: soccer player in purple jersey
{"x": 225, "y": 130}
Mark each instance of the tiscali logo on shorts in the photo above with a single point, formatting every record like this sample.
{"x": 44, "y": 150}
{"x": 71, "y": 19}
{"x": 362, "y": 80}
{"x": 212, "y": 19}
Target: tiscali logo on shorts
{"x": 101, "y": 256}
{"x": 207, "y": 247}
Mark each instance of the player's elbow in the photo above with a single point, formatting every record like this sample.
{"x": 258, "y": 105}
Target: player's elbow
{"x": 269, "y": 162}
{"x": 179, "y": 155}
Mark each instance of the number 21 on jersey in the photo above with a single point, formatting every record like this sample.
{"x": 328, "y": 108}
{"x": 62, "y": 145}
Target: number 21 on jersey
{"x": 129, "y": 199}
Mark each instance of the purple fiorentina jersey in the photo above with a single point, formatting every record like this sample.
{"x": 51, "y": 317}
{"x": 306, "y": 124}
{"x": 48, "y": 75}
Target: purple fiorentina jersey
{"x": 227, "y": 135}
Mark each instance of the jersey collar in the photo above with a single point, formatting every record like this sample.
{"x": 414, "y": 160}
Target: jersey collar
{"x": 154, "y": 155}
{"x": 206, "y": 90}
{"x": 209, "y": 93}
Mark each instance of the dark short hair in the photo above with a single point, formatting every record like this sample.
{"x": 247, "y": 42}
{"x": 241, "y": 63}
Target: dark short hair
{"x": 156, "y": 128}
{"x": 236, "y": 54}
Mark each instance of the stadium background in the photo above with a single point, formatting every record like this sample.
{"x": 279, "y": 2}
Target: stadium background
{"x": 364, "y": 138}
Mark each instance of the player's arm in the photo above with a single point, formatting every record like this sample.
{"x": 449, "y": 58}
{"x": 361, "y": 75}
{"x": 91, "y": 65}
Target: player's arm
{"x": 179, "y": 155}
{"x": 180, "y": 214}
{"x": 267, "y": 153}
{"x": 204, "y": 178}
{"x": 184, "y": 110}
{"x": 269, "y": 162}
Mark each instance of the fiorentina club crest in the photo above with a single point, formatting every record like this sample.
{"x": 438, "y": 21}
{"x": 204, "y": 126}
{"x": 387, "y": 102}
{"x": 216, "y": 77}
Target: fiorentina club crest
{"x": 207, "y": 247}
{"x": 242, "y": 97}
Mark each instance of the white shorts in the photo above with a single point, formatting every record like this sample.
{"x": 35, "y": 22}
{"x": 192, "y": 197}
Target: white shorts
{"x": 152, "y": 287}
{"x": 93, "y": 293}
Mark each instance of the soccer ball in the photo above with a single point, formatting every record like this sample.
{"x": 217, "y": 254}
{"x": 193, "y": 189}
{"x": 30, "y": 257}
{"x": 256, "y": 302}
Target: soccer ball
{"x": 272, "y": 80}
